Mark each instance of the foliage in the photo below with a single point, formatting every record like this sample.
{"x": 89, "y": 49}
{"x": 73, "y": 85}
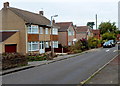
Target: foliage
{"x": 76, "y": 47}
{"x": 107, "y": 27}
{"x": 91, "y": 24}
{"x": 10, "y": 60}
{"x": 37, "y": 57}
{"x": 84, "y": 45}
{"x": 93, "y": 42}
{"x": 108, "y": 36}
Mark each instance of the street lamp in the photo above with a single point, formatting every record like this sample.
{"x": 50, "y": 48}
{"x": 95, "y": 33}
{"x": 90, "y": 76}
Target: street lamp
{"x": 52, "y": 48}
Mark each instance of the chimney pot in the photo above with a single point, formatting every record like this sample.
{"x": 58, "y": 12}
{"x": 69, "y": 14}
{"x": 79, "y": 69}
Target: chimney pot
{"x": 53, "y": 21}
{"x": 41, "y": 13}
{"x": 6, "y": 4}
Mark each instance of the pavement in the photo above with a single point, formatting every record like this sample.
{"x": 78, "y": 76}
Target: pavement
{"x": 108, "y": 75}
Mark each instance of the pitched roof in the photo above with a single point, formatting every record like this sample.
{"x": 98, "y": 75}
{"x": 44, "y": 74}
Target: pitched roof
{"x": 63, "y": 26}
{"x": 30, "y": 17}
{"x": 5, "y": 35}
{"x": 82, "y": 29}
{"x": 96, "y": 31}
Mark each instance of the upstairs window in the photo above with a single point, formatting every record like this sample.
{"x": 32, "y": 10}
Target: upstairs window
{"x": 54, "y": 31}
{"x": 33, "y": 29}
{"x": 41, "y": 30}
{"x": 71, "y": 33}
{"x": 46, "y": 30}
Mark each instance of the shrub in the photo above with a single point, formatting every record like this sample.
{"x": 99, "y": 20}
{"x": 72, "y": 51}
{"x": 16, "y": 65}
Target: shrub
{"x": 11, "y": 60}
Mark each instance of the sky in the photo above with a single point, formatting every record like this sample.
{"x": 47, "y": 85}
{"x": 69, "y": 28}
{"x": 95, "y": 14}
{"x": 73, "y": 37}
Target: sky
{"x": 77, "y": 11}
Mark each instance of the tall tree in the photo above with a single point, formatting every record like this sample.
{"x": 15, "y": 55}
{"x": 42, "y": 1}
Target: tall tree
{"x": 91, "y": 24}
{"x": 107, "y": 27}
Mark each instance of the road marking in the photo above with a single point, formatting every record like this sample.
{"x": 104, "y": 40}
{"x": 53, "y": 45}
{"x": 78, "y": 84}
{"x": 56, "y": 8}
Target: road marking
{"x": 114, "y": 50}
{"x": 108, "y": 50}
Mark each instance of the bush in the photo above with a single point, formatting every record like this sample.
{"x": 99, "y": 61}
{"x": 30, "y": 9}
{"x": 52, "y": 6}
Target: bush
{"x": 38, "y": 57}
{"x": 77, "y": 51}
{"x": 93, "y": 42}
{"x": 11, "y": 60}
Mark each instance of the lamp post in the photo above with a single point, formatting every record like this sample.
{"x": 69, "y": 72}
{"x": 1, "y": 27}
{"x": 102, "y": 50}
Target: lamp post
{"x": 52, "y": 48}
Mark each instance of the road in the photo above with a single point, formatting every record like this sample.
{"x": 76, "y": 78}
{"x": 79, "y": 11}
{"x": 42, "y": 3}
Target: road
{"x": 68, "y": 71}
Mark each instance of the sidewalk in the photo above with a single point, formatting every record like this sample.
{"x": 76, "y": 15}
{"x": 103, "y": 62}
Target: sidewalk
{"x": 108, "y": 75}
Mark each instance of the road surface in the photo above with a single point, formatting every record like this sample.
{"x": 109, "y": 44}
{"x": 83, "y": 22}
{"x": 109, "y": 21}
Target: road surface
{"x": 68, "y": 71}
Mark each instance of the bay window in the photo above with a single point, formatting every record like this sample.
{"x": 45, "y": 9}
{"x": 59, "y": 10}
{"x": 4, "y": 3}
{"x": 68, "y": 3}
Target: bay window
{"x": 33, "y": 46}
{"x": 55, "y": 44}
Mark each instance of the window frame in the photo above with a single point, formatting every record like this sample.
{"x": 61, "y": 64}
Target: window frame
{"x": 31, "y": 29}
{"x": 31, "y": 46}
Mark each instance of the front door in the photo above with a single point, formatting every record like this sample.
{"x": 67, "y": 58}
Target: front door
{"x": 42, "y": 49}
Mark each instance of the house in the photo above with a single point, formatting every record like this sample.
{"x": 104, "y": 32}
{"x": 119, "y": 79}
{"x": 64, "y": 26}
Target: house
{"x": 67, "y": 33}
{"x": 96, "y": 34}
{"x": 33, "y": 30}
{"x": 118, "y": 37}
{"x": 83, "y": 32}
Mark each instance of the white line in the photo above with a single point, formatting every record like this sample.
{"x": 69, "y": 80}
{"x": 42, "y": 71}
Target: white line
{"x": 108, "y": 50}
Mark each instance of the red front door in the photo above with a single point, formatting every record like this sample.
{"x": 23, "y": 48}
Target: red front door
{"x": 11, "y": 48}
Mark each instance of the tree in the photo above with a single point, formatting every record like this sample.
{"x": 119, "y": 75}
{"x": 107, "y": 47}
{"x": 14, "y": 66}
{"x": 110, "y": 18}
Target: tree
{"x": 107, "y": 27}
{"x": 108, "y": 36}
{"x": 91, "y": 24}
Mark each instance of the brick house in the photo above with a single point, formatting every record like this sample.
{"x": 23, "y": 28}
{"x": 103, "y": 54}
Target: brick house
{"x": 83, "y": 32}
{"x": 67, "y": 33}
{"x": 96, "y": 34}
{"x": 118, "y": 37}
{"x": 33, "y": 30}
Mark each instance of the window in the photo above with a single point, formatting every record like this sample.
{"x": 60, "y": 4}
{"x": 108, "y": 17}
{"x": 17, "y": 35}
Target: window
{"x": 41, "y": 30}
{"x": 55, "y": 44}
{"x": 71, "y": 33}
{"x": 41, "y": 45}
{"x": 46, "y": 30}
{"x": 47, "y": 44}
{"x": 69, "y": 43}
{"x": 33, "y": 29}
{"x": 33, "y": 46}
{"x": 55, "y": 31}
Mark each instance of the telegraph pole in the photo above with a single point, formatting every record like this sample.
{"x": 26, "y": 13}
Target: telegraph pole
{"x": 96, "y": 21}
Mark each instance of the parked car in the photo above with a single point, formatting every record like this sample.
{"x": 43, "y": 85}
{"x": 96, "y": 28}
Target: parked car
{"x": 113, "y": 42}
{"x": 107, "y": 44}
{"x": 118, "y": 42}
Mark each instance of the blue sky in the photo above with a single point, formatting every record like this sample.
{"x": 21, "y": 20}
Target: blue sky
{"x": 78, "y": 11}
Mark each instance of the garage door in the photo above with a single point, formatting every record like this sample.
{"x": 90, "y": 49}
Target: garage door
{"x": 11, "y": 48}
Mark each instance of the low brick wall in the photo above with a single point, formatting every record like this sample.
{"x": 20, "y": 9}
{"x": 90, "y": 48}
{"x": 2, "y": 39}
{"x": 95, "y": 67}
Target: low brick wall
{"x": 12, "y": 60}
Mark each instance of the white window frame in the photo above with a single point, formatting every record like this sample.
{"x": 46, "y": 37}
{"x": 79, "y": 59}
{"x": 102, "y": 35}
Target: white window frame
{"x": 54, "y": 31}
{"x": 33, "y": 29}
{"x": 69, "y": 43}
{"x": 46, "y": 31}
{"x": 55, "y": 44}
{"x": 31, "y": 46}
{"x": 46, "y": 44}
{"x": 41, "y": 30}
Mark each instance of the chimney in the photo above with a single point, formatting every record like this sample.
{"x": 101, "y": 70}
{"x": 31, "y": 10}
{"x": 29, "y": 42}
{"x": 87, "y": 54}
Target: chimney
{"x": 41, "y": 13}
{"x": 53, "y": 21}
{"x": 6, "y": 4}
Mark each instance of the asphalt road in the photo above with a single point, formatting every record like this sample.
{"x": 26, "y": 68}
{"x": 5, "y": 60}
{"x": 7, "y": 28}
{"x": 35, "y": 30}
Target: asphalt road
{"x": 68, "y": 71}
